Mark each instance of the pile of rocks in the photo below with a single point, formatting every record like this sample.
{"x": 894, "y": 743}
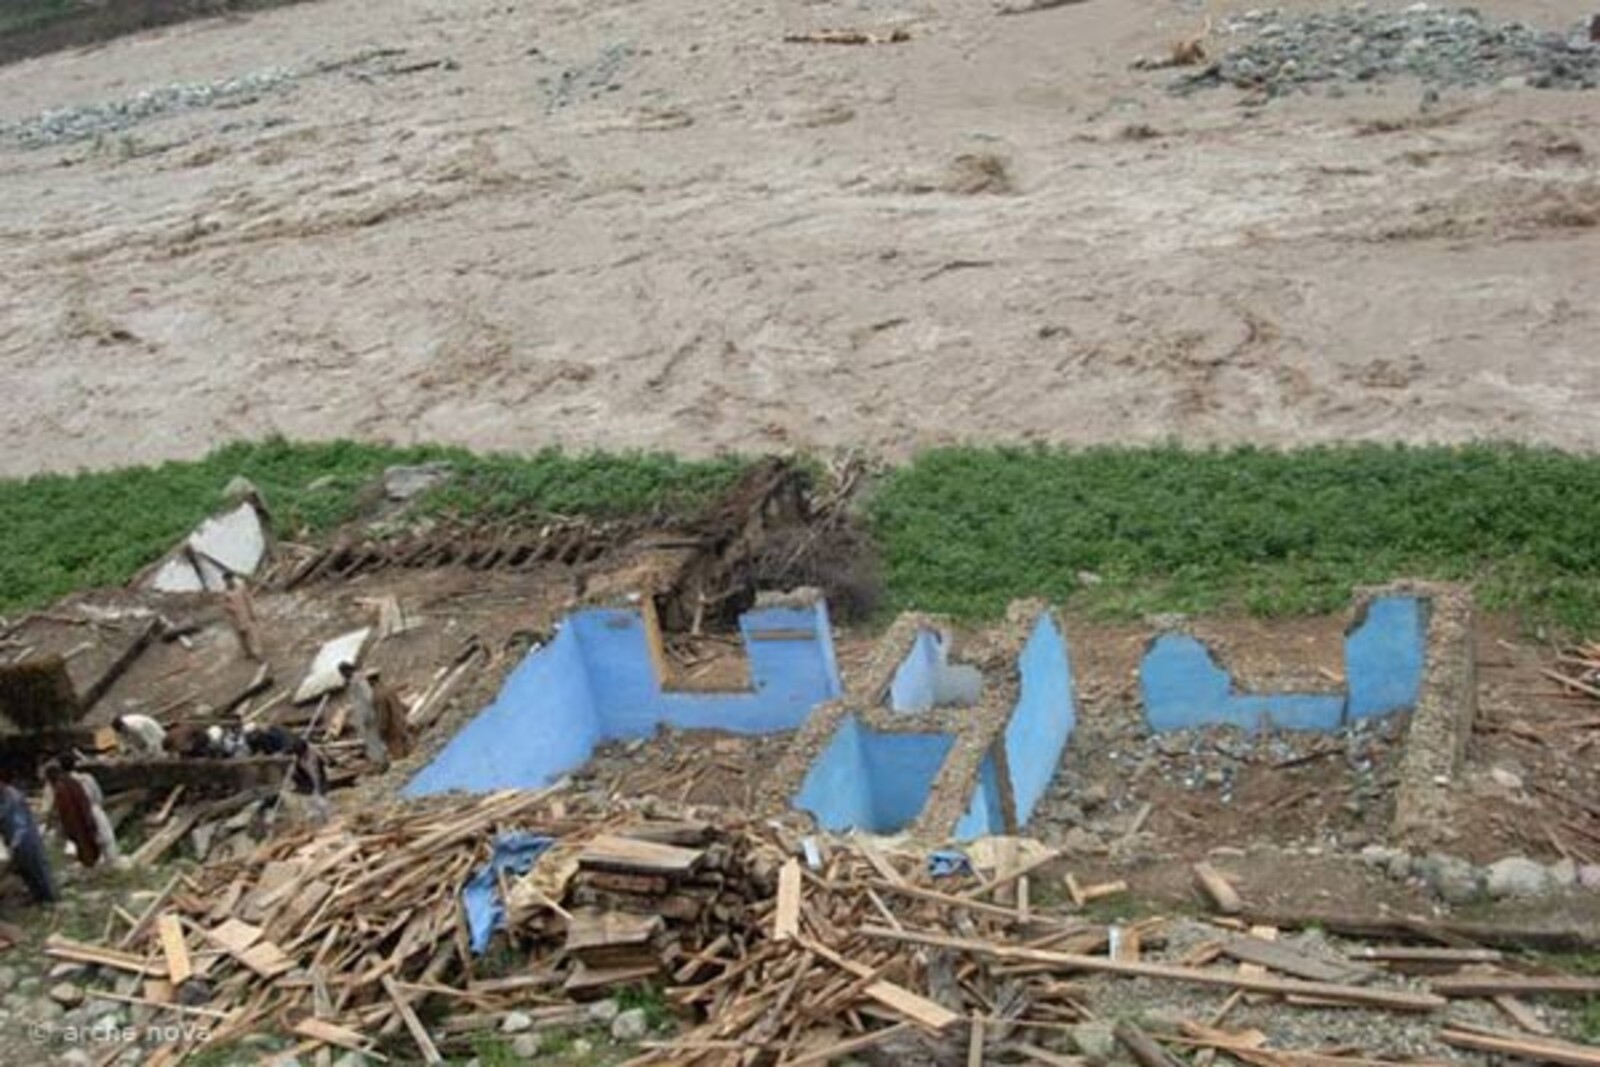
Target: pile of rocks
{"x": 96, "y": 120}
{"x": 1456, "y": 881}
{"x": 1284, "y": 52}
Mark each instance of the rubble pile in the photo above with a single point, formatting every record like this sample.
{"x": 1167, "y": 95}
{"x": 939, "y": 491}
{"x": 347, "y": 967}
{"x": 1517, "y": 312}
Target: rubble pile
{"x": 1280, "y": 52}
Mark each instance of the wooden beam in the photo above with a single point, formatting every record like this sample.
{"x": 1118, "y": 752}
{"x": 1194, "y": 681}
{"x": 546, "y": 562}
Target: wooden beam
{"x": 1143, "y": 1047}
{"x": 419, "y": 1033}
{"x": 1218, "y": 889}
{"x": 786, "y": 916}
{"x": 1287, "y": 961}
{"x": 1397, "y": 1000}
{"x": 1537, "y": 1049}
{"x": 1516, "y": 985}
{"x": 179, "y": 968}
{"x": 1439, "y": 931}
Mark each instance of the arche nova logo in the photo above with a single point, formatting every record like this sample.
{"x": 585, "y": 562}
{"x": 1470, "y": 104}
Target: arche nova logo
{"x": 105, "y": 1032}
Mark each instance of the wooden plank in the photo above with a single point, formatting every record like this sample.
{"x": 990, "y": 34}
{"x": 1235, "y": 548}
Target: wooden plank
{"x": 1516, "y": 985}
{"x": 1092, "y": 893}
{"x": 1521, "y": 1014}
{"x": 1453, "y": 932}
{"x": 419, "y": 1033}
{"x": 63, "y": 948}
{"x": 159, "y": 845}
{"x": 1287, "y": 961}
{"x": 626, "y": 854}
{"x": 845, "y": 1048}
{"x": 265, "y": 959}
{"x": 1397, "y": 1000}
{"x": 1394, "y": 954}
{"x": 1143, "y": 1047}
{"x": 179, "y": 969}
{"x": 591, "y": 931}
{"x": 330, "y": 1034}
{"x": 1217, "y": 889}
{"x": 235, "y": 936}
{"x": 975, "y": 1042}
{"x": 919, "y": 1009}
{"x": 1539, "y": 1050}
{"x": 786, "y": 916}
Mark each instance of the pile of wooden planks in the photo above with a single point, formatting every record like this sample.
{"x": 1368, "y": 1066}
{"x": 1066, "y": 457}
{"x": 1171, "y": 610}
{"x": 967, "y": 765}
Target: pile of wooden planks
{"x": 775, "y": 948}
{"x": 1578, "y": 670}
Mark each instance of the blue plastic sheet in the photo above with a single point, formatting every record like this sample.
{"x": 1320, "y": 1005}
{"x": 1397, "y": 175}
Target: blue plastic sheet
{"x": 948, "y": 864}
{"x": 514, "y": 853}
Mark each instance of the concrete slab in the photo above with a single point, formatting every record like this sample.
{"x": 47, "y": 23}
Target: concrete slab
{"x": 324, "y": 676}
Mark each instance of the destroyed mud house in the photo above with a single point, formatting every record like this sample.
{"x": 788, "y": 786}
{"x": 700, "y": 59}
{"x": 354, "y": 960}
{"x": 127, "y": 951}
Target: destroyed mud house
{"x": 663, "y": 806}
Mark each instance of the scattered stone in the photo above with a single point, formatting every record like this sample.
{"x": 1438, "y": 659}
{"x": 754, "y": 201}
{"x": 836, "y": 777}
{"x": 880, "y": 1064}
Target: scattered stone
{"x": 1564, "y": 873}
{"x": 1589, "y": 876}
{"x": 1093, "y": 795}
{"x": 8, "y": 979}
{"x": 403, "y": 483}
{"x": 582, "y": 1047}
{"x": 604, "y": 1011}
{"x": 1282, "y": 52}
{"x": 1506, "y": 779}
{"x": 1517, "y": 876}
{"x": 67, "y": 994}
{"x": 526, "y": 1046}
{"x": 1081, "y": 842}
{"x": 1452, "y": 878}
{"x": 1095, "y": 1040}
{"x": 516, "y": 1023}
{"x": 76, "y": 1057}
{"x": 630, "y": 1025}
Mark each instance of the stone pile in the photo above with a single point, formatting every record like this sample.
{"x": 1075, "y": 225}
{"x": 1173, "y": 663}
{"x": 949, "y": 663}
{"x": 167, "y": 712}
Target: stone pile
{"x": 1281, "y": 52}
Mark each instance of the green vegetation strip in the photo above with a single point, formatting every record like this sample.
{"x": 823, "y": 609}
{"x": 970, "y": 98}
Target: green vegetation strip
{"x": 1122, "y": 532}
{"x": 64, "y": 532}
{"x": 1117, "y": 532}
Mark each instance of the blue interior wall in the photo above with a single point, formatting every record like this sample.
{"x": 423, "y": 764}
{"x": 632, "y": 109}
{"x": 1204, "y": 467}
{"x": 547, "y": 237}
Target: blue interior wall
{"x": 1184, "y": 686}
{"x": 913, "y": 688}
{"x": 543, "y": 722}
{"x": 1044, "y": 717}
{"x": 872, "y": 780}
{"x": 1384, "y": 657}
{"x": 596, "y": 682}
{"x": 985, "y": 814}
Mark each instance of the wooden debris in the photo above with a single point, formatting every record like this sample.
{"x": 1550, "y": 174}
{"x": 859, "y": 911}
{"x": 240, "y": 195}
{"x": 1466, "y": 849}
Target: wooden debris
{"x": 1217, "y": 889}
{"x": 1285, "y": 960}
{"x": 1396, "y": 1000}
{"x": 1143, "y": 1046}
{"x": 1537, "y": 1049}
{"x": 1516, "y": 985}
{"x": 894, "y": 36}
{"x": 786, "y": 918}
{"x": 179, "y": 969}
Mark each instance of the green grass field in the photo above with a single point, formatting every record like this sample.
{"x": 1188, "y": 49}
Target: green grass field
{"x": 960, "y": 530}
{"x": 1274, "y": 533}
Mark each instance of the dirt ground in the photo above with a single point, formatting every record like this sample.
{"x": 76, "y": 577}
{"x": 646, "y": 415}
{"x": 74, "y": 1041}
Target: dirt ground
{"x": 662, "y": 225}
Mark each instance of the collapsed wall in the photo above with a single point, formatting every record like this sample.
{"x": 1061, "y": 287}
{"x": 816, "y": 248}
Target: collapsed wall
{"x": 938, "y": 748}
{"x": 603, "y": 678}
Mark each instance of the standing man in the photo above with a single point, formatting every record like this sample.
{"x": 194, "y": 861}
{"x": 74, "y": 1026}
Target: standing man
{"x": 105, "y": 834}
{"x": 241, "y": 611}
{"x": 74, "y": 813}
{"x": 139, "y": 735}
{"x": 26, "y": 846}
{"x": 393, "y": 726}
{"x": 309, "y": 778}
{"x": 364, "y": 715}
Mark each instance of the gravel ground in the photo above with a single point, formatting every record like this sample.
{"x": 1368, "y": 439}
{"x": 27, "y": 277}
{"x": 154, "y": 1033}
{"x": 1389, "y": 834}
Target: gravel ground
{"x": 1441, "y": 46}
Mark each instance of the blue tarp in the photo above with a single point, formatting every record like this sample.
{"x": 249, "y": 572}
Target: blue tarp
{"x": 948, "y": 863}
{"x": 514, "y": 853}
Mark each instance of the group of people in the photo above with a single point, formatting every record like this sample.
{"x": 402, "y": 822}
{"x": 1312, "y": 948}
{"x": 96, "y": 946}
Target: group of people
{"x": 76, "y": 808}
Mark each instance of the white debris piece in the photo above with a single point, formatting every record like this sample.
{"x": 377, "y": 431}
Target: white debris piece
{"x": 324, "y": 676}
{"x": 233, "y": 542}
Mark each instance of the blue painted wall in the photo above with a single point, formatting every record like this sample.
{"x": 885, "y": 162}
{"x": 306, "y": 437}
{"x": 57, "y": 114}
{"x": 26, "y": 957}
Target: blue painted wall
{"x": 985, "y": 814}
{"x": 1384, "y": 657}
{"x": 872, "y": 781}
{"x": 1185, "y": 687}
{"x": 596, "y": 682}
{"x": 912, "y": 689}
{"x": 1044, "y": 718}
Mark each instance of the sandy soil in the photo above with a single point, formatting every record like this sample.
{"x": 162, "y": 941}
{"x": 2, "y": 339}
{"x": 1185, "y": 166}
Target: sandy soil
{"x": 627, "y": 224}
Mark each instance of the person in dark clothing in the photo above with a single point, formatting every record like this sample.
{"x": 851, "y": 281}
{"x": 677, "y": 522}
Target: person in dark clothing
{"x": 75, "y": 812}
{"x": 309, "y": 777}
{"x": 267, "y": 740}
{"x": 22, "y": 838}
